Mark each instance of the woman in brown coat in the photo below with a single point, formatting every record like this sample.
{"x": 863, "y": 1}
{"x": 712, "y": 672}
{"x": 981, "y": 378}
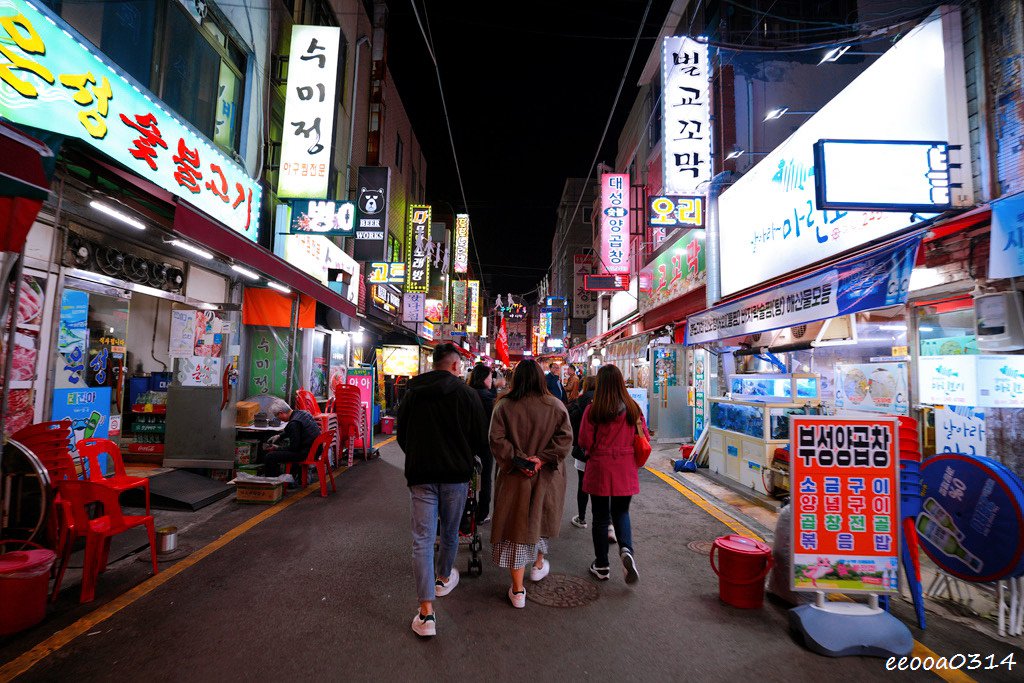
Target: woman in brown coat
{"x": 530, "y": 437}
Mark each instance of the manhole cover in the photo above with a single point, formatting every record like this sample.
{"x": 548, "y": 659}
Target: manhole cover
{"x": 700, "y": 547}
{"x": 562, "y": 590}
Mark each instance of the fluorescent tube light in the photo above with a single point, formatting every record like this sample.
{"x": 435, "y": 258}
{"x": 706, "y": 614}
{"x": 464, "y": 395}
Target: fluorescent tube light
{"x": 244, "y": 271}
{"x": 119, "y": 215}
{"x": 181, "y": 244}
{"x": 279, "y": 287}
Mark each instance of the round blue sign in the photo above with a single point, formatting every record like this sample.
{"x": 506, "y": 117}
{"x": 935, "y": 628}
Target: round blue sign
{"x": 971, "y": 517}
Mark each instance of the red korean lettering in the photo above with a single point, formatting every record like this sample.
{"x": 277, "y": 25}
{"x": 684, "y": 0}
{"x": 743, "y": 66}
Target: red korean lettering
{"x": 149, "y": 138}
{"x": 219, "y": 189}
{"x": 188, "y": 174}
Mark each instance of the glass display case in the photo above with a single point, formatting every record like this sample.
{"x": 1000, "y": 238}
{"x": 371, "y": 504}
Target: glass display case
{"x": 744, "y": 435}
{"x": 786, "y": 388}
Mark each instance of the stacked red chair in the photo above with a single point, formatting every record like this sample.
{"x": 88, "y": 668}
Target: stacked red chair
{"x": 304, "y": 400}
{"x": 348, "y": 406}
{"x": 319, "y": 457}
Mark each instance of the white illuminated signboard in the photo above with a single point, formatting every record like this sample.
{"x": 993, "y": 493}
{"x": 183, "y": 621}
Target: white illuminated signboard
{"x": 769, "y": 225}
{"x": 461, "y": 243}
{"x": 882, "y": 175}
{"x": 307, "y": 140}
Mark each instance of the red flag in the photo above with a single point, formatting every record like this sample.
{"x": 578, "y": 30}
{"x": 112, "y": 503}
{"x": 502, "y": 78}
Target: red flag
{"x": 501, "y": 344}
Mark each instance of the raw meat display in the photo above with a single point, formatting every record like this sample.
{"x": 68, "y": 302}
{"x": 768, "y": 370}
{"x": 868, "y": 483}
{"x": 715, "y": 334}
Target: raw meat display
{"x": 19, "y": 411}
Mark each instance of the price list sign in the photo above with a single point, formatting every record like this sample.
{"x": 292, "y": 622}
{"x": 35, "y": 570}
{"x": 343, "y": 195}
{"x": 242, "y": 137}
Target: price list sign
{"x": 845, "y": 475}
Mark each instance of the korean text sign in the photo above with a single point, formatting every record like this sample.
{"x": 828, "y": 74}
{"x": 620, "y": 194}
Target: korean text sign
{"x": 686, "y": 115}
{"x": 461, "y": 243}
{"x": 417, "y": 238}
{"x": 306, "y": 143}
{"x": 473, "y": 305}
{"x": 615, "y": 222}
{"x": 674, "y": 272}
{"x": 845, "y": 475}
{"x": 52, "y": 81}
{"x": 583, "y": 302}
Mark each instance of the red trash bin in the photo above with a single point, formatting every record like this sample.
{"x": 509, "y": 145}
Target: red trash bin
{"x": 742, "y": 566}
{"x": 24, "y": 579}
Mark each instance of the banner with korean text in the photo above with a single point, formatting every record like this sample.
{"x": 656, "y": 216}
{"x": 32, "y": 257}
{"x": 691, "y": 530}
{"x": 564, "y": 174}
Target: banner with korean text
{"x": 461, "y": 243}
{"x": 615, "y": 222}
{"x": 417, "y": 236}
{"x": 846, "y": 523}
{"x": 54, "y": 82}
{"x": 686, "y": 115}
{"x": 875, "y": 280}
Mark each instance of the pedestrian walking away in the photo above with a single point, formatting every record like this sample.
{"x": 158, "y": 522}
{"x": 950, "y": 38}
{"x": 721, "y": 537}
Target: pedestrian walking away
{"x": 481, "y": 381}
{"x": 294, "y": 442}
{"x": 441, "y": 429}
{"x": 576, "y": 409}
{"x": 530, "y": 436}
{"x": 554, "y": 382}
{"x": 606, "y": 434}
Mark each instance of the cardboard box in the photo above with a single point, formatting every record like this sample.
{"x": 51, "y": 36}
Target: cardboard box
{"x": 265, "y": 494}
{"x": 245, "y": 412}
{"x": 245, "y": 451}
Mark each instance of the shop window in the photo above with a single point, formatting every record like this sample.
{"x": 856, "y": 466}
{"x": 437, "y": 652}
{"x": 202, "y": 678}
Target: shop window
{"x": 946, "y": 333}
{"x": 197, "y": 69}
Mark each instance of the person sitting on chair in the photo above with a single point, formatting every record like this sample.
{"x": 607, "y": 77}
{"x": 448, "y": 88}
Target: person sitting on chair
{"x": 293, "y": 444}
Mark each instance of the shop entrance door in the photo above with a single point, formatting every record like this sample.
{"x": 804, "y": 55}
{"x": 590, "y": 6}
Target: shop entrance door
{"x": 89, "y": 377}
{"x": 670, "y": 411}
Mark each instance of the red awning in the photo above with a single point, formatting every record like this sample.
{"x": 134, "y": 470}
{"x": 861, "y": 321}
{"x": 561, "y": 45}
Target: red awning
{"x": 968, "y": 219}
{"x": 23, "y": 185}
{"x": 202, "y": 230}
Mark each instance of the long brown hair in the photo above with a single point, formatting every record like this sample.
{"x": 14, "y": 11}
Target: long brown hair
{"x": 527, "y": 380}
{"x": 610, "y": 396}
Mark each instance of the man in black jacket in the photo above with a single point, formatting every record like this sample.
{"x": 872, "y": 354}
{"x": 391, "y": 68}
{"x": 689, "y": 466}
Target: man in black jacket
{"x": 295, "y": 441}
{"x": 440, "y": 428}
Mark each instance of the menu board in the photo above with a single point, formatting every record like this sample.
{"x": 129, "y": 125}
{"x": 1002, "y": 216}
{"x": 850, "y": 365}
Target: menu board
{"x": 845, "y": 478}
{"x": 872, "y": 388}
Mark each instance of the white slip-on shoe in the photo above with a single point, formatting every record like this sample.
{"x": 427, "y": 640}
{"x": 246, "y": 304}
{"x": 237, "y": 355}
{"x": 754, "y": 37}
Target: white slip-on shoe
{"x": 518, "y": 599}
{"x": 441, "y": 588}
{"x": 601, "y": 573}
{"x": 538, "y": 573}
{"x": 578, "y": 522}
{"x": 629, "y": 567}
{"x": 424, "y": 625}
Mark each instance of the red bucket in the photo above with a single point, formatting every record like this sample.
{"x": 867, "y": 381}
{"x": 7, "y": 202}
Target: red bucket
{"x": 24, "y": 578}
{"x": 742, "y": 565}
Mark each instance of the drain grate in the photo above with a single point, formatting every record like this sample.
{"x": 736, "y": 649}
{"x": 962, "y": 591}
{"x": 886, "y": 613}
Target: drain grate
{"x": 700, "y": 547}
{"x": 562, "y": 590}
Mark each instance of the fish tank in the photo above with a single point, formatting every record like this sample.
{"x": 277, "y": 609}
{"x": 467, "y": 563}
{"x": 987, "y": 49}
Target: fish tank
{"x": 738, "y": 417}
{"x": 779, "y": 418}
{"x": 785, "y": 388}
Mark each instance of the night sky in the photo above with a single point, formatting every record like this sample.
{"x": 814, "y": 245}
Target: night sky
{"x": 529, "y": 90}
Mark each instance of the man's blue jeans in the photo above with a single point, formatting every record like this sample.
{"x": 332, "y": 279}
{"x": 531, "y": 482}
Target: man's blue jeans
{"x": 429, "y": 501}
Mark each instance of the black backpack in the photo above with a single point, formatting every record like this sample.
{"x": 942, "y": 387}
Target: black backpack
{"x": 576, "y": 419}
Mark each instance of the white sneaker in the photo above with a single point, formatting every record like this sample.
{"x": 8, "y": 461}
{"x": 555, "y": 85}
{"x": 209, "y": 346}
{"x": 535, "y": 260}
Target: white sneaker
{"x": 611, "y": 535}
{"x": 424, "y": 625}
{"x": 518, "y": 599}
{"x": 538, "y": 573}
{"x": 629, "y": 567}
{"x": 441, "y": 588}
{"x": 578, "y": 523}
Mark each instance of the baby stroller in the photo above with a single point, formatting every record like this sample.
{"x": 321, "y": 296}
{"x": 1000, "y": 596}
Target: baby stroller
{"x": 469, "y": 535}
{"x": 468, "y": 531}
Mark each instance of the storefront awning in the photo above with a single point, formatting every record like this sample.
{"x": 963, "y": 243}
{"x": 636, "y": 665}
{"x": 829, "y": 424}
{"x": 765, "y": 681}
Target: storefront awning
{"x": 24, "y": 184}
{"x": 209, "y": 233}
{"x": 964, "y": 221}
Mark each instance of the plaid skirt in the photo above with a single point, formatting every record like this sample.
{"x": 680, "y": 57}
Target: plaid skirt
{"x": 517, "y": 555}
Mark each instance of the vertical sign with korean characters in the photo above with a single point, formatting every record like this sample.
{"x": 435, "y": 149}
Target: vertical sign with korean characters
{"x": 52, "y": 81}
{"x": 417, "y": 238}
{"x": 615, "y": 222}
{"x": 473, "y": 304}
{"x": 845, "y": 478}
{"x": 583, "y": 301}
{"x": 686, "y": 115}
{"x": 458, "y": 306}
{"x": 306, "y": 143}
{"x": 413, "y": 307}
{"x": 461, "y": 243}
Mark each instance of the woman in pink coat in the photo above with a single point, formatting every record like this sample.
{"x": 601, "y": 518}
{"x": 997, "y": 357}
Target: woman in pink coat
{"x": 611, "y": 478}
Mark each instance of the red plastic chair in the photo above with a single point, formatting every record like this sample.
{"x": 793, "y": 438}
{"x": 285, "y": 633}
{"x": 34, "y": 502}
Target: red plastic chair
{"x": 348, "y": 406}
{"x": 305, "y": 400}
{"x": 320, "y": 457}
{"x": 121, "y": 481}
{"x": 100, "y": 530}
